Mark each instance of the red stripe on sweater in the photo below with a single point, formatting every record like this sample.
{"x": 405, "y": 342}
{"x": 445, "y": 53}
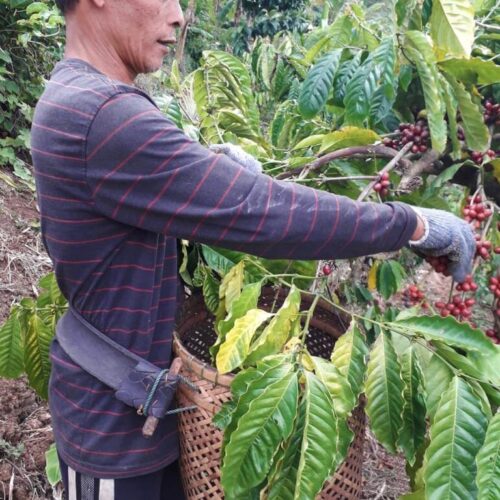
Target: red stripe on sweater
{"x": 86, "y": 242}
{"x": 118, "y": 308}
{"x": 128, "y": 158}
{"x": 73, "y": 221}
{"x": 90, "y": 410}
{"x": 59, "y": 178}
{"x": 375, "y": 224}
{"x": 193, "y": 193}
{"x": 60, "y": 132}
{"x": 55, "y": 155}
{"x": 354, "y": 232}
{"x": 66, "y": 108}
{"x": 116, "y": 289}
{"x": 116, "y": 453}
{"x": 219, "y": 203}
{"x": 118, "y": 129}
{"x": 78, "y": 88}
{"x": 334, "y": 227}
{"x": 164, "y": 188}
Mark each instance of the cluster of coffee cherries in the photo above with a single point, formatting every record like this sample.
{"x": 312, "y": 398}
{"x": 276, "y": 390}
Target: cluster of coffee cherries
{"x": 476, "y": 211}
{"x": 477, "y": 157}
{"x": 468, "y": 285}
{"x": 494, "y": 286}
{"x": 483, "y": 248}
{"x": 418, "y": 133}
{"x": 491, "y": 112}
{"x": 413, "y": 296}
{"x": 495, "y": 290}
{"x": 383, "y": 184}
{"x": 459, "y": 306}
{"x": 440, "y": 264}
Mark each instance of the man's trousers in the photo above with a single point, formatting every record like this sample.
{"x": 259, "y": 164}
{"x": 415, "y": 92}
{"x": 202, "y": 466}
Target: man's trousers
{"x": 161, "y": 485}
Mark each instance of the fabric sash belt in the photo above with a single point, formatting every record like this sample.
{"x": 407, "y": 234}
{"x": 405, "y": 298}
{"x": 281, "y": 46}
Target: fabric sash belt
{"x": 136, "y": 381}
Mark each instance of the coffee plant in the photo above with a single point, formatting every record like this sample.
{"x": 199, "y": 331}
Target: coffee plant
{"x": 377, "y": 100}
{"x": 30, "y": 42}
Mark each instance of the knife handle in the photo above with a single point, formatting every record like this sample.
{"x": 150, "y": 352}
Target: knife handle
{"x": 151, "y": 423}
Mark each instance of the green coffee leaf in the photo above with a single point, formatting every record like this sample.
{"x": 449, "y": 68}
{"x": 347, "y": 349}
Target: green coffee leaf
{"x": 472, "y": 71}
{"x": 52, "y": 469}
{"x": 437, "y": 378}
{"x": 349, "y": 356}
{"x": 11, "y": 347}
{"x": 247, "y": 385}
{"x": 488, "y": 462}
{"x": 38, "y": 337}
{"x": 276, "y": 334}
{"x": 338, "y": 386}
{"x": 268, "y": 422}
{"x": 210, "y": 291}
{"x": 429, "y": 79}
{"x": 448, "y": 330}
{"x": 371, "y": 90}
{"x": 320, "y": 439}
{"x": 384, "y": 392}
{"x": 247, "y": 300}
{"x": 235, "y": 348}
{"x": 457, "y": 434}
{"x": 318, "y": 83}
{"x": 451, "y": 111}
{"x": 284, "y": 478}
{"x": 347, "y": 137}
{"x": 412, "y": 434}
{"x": 346, "y": 71}
{"x": 452, "y": 27}
{"x": 390, "y": 277}
{"x": 475, "y": 130}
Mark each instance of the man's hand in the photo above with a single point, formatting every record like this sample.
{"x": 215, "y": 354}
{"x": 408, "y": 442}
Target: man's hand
{"x": 239, "y": 156}
{"x": 447, "y": 235}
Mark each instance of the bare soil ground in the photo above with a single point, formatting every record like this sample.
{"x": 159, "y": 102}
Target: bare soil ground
{"x": 25, "y": 431}
{"x": 25, "y": 427}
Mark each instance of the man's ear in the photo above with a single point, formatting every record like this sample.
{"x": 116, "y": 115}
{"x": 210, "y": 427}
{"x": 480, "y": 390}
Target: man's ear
{"x": 98, "y": 3}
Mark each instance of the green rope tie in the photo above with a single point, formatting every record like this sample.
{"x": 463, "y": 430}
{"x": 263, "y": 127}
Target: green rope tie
{"x": 152, "y": 391}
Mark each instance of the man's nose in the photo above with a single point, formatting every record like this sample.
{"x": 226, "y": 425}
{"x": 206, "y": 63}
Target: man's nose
{"x": 175, "y": 16}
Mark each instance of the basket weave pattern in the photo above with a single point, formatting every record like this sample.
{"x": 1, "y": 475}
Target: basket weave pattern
{"x": 201, "y": 441}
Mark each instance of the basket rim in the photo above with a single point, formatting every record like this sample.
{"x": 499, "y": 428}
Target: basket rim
{"x": 205, "y": 370}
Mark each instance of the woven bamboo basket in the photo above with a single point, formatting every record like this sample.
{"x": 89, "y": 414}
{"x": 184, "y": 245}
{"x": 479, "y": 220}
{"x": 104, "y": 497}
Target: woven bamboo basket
{"x": 200, "y": 440}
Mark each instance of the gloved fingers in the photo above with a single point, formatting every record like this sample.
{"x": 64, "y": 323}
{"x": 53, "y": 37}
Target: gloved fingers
{"x": 219, "y": 148}
{"x": 460, "y": 269}
{"x": 462, "y": 259}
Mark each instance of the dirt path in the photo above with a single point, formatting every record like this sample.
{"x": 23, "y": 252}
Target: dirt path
{"x": 25, "y": 431}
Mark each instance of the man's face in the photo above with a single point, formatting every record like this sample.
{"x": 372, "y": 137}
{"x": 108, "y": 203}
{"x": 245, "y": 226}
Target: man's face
{"x": 140, "y": 31}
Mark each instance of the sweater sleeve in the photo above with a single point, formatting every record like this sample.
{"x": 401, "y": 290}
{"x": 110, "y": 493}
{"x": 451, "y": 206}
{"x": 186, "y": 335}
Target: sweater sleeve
{"x": 144, "y": 172}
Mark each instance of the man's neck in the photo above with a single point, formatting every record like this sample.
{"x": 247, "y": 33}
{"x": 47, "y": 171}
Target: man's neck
{"x": 80, "y": 45}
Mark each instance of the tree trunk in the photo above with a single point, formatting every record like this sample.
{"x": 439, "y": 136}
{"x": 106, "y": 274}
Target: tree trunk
{"x": 181, "y": 45}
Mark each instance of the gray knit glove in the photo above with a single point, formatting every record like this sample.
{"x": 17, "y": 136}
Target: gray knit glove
{"x": 239, "y": 156}
{"x": 447, "y": 235}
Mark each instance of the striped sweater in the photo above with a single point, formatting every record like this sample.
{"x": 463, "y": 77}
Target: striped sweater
{"x": 118, "y": 184}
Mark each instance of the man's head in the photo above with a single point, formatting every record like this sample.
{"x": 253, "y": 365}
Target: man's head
{"x": 122, "y": 38}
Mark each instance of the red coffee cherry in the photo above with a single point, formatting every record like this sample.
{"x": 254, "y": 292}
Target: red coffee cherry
{"x": 327, "y": 270}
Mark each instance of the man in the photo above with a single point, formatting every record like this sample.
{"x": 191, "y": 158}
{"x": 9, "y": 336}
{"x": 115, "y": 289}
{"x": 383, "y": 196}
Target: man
{"x": 118, "y": 184}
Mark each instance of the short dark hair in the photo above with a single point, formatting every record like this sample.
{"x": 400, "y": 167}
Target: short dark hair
{"x": 66, "y": 5}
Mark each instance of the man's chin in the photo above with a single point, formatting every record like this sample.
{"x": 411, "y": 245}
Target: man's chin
{"x": 152, "y": 67}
